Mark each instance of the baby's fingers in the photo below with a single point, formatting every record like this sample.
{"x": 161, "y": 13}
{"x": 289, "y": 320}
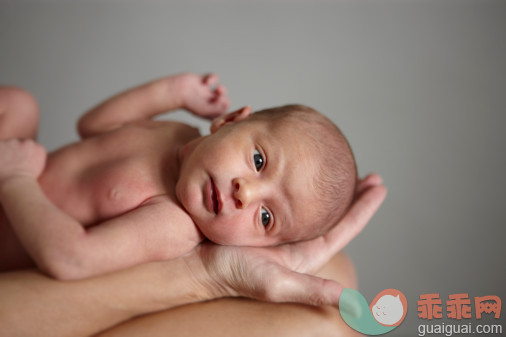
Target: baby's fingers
{"x": 218, "y": 103}
{"x": 219, "y": 95}
{"x": 220, "y": 91}
{"x": 210, "y": 80}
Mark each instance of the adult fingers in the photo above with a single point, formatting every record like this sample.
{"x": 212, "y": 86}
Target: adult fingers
{"x": 356, "y": 218}
{"x": 370, "y": 180}
{"x": 303, "y": 288}
{"x": 311, "y": 255}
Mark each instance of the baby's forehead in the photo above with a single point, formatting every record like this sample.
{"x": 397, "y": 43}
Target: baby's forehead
{"x": 306, "y": 224}
{"x": 307, "y": 214}
{"x": 288, "y": 132}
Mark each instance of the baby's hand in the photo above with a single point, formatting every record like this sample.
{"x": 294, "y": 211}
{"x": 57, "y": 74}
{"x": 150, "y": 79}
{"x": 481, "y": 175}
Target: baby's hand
{"x": 203, "y": 95}
{"x": 20, "y": 157}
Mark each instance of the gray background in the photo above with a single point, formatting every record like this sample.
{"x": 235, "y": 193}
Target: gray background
{"x": 418, "y": 87}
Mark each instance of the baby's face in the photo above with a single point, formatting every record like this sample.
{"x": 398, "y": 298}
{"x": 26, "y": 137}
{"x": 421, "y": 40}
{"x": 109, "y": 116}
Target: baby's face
{"x": 248, "y": 184}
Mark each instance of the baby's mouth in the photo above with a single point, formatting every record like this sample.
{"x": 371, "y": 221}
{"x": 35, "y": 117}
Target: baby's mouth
{"x": 215, "y": 198}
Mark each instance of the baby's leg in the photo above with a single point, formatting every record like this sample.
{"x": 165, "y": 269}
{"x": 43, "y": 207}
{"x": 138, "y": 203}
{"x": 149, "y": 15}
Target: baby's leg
{"x": 19, "y": 114}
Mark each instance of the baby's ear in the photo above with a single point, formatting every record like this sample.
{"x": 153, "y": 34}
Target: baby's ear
{"x": 231, "y": 117}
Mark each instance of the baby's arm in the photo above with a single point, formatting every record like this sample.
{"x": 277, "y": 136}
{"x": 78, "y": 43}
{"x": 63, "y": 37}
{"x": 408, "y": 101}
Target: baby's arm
{"x": 61, "y": 246}
{"x": 200, "y": 95}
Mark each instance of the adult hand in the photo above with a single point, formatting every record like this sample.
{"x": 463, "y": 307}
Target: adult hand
{"x": 277, "y": 274}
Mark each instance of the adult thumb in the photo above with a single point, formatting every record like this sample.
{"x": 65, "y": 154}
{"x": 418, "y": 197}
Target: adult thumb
{"x": 305, "y": 289}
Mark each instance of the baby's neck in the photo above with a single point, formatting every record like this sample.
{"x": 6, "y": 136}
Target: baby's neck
{"x": 182, "y": 151}
{"x": 172, "y": 164}
{"x": 185, "y": 150}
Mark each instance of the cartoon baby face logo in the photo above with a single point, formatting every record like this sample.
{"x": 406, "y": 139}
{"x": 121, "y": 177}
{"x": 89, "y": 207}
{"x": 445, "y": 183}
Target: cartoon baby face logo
{"x": 389, "y": 307}
{"x": 386, "y": 312}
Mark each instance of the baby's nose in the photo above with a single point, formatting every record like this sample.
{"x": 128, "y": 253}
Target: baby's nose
{"x": 245, "y": 192}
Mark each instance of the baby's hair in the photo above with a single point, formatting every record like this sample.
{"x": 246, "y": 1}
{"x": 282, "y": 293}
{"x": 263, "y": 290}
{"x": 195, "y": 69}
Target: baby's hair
{"x": 335, "y": 182}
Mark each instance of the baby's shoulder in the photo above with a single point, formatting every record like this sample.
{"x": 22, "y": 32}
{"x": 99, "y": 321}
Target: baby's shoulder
{"x": 173, "y": 127}
{"x": 166, "y": 209}
{"x": 157, "y": 124}
{"x": 174, "y": 221}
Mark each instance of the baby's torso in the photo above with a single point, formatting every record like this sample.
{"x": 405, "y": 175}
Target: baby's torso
{"x": 105, "y": 176}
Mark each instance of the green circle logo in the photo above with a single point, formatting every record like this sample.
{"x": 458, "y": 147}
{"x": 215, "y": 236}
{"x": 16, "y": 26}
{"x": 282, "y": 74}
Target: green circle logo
{"x": 386, "y": 312}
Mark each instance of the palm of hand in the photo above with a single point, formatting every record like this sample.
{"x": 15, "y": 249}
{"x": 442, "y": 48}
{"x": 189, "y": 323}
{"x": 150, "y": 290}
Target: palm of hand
{"x": 277, "y": 274}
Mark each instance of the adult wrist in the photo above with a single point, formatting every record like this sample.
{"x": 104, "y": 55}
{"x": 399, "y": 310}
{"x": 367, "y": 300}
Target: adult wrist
{"x": 203, "y": 286}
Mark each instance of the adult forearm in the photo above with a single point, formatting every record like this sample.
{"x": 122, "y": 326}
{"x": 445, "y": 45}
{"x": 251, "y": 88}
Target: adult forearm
{"x": 35, "y": 305}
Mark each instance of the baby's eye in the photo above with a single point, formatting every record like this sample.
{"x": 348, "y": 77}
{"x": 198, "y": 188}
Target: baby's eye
{"x": 258, "y": 160}
{"x": 265, "y": 217}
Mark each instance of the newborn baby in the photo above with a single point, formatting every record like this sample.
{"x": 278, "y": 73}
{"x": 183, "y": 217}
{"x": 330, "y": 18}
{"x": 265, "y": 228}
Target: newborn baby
{"x": 135, "y": 189}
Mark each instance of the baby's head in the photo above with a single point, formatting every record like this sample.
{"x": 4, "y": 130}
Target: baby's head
{"x": 280, "y": 175}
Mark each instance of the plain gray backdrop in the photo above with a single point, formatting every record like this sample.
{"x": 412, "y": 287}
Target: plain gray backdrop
{"x": 418, "y": 87}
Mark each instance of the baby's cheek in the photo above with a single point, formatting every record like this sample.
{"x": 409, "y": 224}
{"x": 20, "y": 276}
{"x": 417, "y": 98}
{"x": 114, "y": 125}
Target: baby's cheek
{"x": 218, "y": 232}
